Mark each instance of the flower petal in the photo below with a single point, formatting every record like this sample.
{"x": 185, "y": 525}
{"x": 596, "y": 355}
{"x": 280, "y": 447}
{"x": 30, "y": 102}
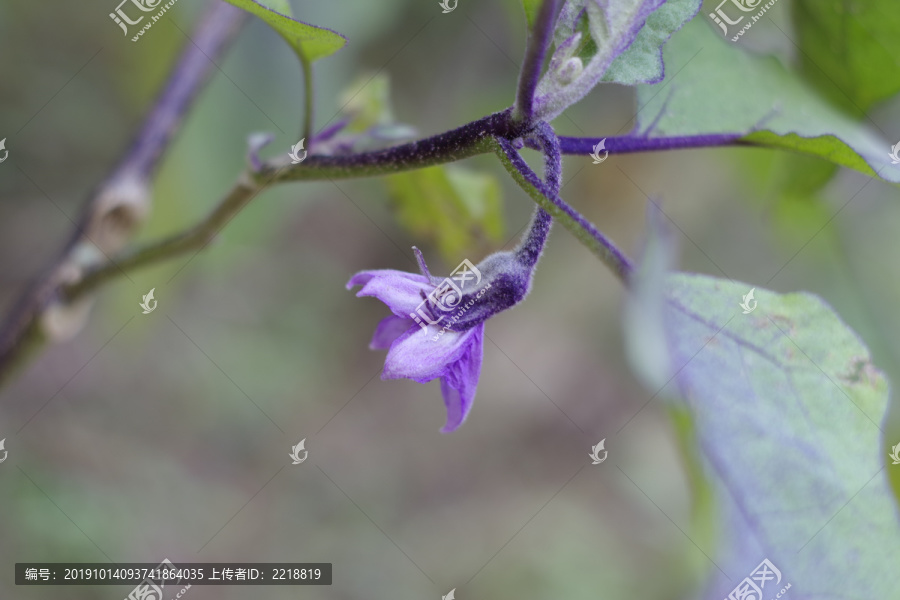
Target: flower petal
{"x": 388, "y": 330}
{"x": 459, "y": 384}
{"x": 418, "y": 356}
{"x": 400, "y": 291}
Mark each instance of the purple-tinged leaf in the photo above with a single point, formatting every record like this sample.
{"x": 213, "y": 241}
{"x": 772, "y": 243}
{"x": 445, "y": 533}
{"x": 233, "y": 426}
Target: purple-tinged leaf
{"x": 609, "y": 29}
{"x": 787, "y": 406}
{"x": 642, "y": 62}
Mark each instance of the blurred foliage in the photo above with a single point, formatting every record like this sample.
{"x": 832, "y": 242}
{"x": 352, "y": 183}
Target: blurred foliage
{"x": 457, "y": 208}
{"x": 850, "y": 50}
{"x": 366, "y": 120}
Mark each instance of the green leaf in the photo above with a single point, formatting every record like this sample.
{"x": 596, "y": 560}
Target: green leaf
{"x": 531, "y": 10}
{"x": 850, "y": 50}
{"x": 718, "y": 88}
{"x": 366, "y": 120}
{"x": 367, "y": 102}
{"x": 308, "y": 41}
{"x": 642, "y": 62}
{"x": 455, "y": 207}
{"x": 786, "y": 405}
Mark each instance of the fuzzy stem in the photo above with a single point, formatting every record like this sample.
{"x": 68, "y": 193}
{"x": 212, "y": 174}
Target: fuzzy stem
{"x": 535, "y": 52}
{"x": 529, "y": 250}
{"x": 456, "y": 144}
{"x": 589, "y": 235}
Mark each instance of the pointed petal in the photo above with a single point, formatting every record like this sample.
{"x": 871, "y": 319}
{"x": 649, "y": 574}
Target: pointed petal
{"x": 400, "y": 291}
{"x": 418, "y": 356}
{"x": 458, "y": 386}
{"x": 388, "y": 330}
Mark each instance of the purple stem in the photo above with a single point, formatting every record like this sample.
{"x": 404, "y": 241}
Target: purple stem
{"x": 604, "y": 247}
{"x": 626, "y": 144}
{"x": 529, "y": 251}
{"x": 449, "y": 146}
{"x": 196, "y": 65}
{"x": 535, "y": 52}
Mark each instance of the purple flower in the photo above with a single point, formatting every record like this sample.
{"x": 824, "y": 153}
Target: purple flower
{"x": 437, "y": 329}
{"x": 414, "y": 353}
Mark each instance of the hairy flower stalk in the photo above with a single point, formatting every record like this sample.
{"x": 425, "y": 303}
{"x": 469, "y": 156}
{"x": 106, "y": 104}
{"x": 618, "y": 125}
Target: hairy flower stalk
{"x": 437, "y": 327}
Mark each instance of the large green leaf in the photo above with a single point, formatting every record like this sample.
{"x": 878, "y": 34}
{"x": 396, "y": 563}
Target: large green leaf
{"x": 850, "y": 49}
{"x": 455, "y": 207}
{"x": 714, "y": 87}
{"x": 308, "y": 41}
{"x": 786, "y": 405}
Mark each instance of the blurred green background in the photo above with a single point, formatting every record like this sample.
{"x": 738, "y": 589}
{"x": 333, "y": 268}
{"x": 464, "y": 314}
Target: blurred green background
{"x": 167, "y": 435}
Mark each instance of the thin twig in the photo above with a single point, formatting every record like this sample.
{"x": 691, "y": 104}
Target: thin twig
{"x": 120, "y": 203}
{"x": 194, "y": 239}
